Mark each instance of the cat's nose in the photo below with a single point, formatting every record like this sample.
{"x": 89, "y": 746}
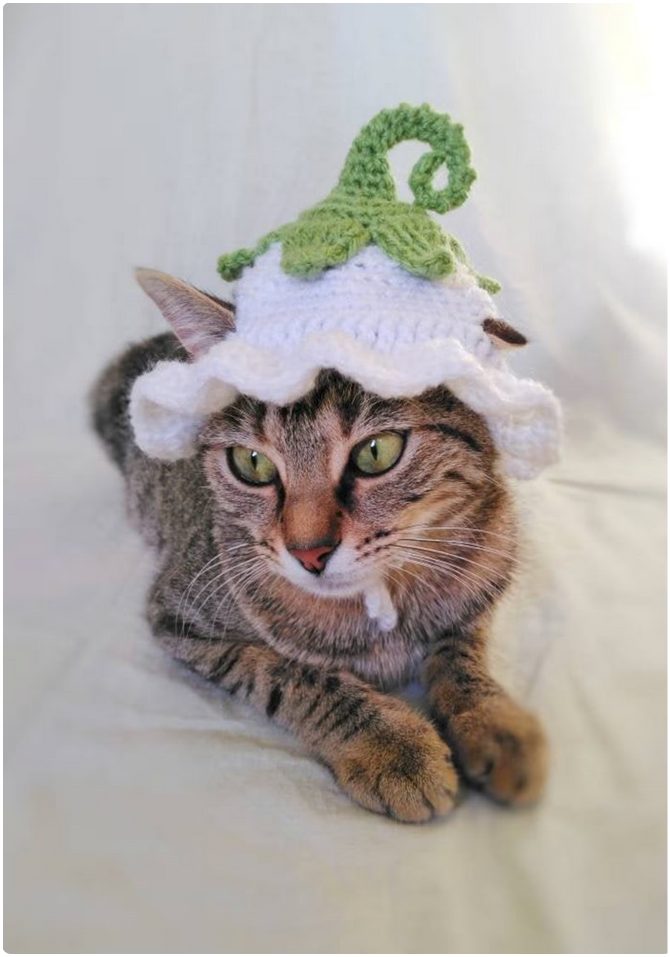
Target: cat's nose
{"x": 313, "y": 558}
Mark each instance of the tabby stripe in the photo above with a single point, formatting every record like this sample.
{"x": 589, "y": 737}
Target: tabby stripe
{"x": 349, "y": 411}
{"x": 338, "y": 704}
{"x": 457, "y": 644}
{"x": 463, "y": 680}
{"x": 175, "y": 626}
{"x": 260, "y": 411}
{"x": 455, "y": 653}
{"x": 274, "y": 700}
{"x": 226, "y": 663}
{"x": 312, "y": 708}
{"x": 464, "y": 437}
{"x": 363, "y": 722}
{"x": 454, "y": 475}
{"x": 309, "y": 675}
{"x": 355, "y": 705}
{"x": 344, "y": 493}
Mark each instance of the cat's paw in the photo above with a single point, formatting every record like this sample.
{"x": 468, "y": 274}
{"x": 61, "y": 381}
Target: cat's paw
{"x": 501, "y": 749}
{"x": 399, "y": 767}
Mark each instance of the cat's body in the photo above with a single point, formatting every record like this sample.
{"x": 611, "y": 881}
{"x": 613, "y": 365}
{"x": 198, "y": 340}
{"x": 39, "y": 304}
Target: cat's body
{"x": 236, "y": 599}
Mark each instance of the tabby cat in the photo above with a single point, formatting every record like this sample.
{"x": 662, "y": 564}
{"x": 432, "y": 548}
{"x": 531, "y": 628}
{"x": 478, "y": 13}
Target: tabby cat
{"x": 265, "y": 538}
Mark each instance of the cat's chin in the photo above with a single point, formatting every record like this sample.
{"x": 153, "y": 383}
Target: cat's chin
{"x": 333, "y": 587}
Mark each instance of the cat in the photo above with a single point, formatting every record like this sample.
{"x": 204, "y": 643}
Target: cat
{"x": 265, "y": 537}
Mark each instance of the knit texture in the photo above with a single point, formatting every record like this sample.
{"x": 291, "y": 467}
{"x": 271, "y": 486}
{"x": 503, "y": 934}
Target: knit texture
{"x": 370, "y": 298}
{"x": 363, "y": 209}
{"x": 170, "y": 404}
{"x": 371, "y": 287}
{"x": 374, "y": 322}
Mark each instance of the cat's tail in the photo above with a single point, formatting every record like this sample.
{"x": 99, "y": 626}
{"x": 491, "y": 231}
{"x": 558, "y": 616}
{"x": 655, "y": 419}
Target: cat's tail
{"x": 108, "y": 399}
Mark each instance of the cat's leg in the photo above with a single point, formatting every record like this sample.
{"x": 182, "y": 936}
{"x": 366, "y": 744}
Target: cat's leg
{"x": 383, "y": 754}
{"x": 498, "y": 746}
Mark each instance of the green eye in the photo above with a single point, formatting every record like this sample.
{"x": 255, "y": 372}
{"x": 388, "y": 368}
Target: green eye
{"x": 379, "y": 453}
{"x": 251, "y": 466}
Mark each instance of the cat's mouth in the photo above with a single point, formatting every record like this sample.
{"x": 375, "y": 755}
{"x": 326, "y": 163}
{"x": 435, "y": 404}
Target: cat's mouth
{"x": 333, "y": 582}
{"x": 336, "y": 586}
{"x": 329, "y": 586}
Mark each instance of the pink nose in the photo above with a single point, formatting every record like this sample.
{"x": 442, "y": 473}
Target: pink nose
{"x": 313, "y": 559}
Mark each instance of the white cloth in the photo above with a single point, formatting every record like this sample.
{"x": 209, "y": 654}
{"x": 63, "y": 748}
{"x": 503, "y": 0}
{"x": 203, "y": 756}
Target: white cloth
{"x": 146, "y": 812}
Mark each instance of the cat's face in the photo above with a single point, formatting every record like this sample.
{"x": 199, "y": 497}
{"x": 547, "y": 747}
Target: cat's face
{"x": 330, "y": 492}
{"x": 341, "y": 488}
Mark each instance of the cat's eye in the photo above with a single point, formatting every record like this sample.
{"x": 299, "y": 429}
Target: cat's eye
{"x": 378, "y": 454}
{"x": 251, "y": 466}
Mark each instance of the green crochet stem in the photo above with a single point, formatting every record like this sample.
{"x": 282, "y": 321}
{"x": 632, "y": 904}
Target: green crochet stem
{"x": 366, "y": 170}
{"x": 363, "y": 208}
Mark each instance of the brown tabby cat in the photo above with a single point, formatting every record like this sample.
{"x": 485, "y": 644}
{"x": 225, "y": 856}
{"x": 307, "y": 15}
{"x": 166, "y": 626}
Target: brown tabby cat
{"x": 265, "y": 537}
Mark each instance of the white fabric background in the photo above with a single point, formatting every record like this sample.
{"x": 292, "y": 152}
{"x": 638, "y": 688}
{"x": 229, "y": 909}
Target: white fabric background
{"x": 148, "y": 813}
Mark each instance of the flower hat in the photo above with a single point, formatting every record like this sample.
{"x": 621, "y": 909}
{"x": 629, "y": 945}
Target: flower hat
{"x": 372, "y": 287}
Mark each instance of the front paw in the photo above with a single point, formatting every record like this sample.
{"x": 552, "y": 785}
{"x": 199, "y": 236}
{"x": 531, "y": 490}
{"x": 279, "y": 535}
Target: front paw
{"x": 500, "y": 749}
{"x": 399, "y": 766}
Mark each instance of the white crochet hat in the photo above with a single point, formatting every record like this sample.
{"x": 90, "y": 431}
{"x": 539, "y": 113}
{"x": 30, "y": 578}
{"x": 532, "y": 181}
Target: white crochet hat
{"x": 368, "y": 286}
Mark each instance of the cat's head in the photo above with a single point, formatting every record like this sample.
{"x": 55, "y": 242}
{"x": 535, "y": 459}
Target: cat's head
{"x": 339, "y": 488}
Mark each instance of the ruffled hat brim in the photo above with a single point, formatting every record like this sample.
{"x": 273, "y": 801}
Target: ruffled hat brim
{"x": 170, "y": 403}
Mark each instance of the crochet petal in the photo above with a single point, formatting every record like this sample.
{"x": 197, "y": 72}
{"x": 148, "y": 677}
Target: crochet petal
{"x": 410, "y": 237}
{"x": 170, "y": 404}
{"x": 320, "y": 242}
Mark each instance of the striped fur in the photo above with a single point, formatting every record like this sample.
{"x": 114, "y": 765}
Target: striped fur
{"x": 232, "y": 604}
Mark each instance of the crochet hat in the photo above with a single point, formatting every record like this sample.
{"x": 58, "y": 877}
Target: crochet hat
{"x": 369, "y": 286}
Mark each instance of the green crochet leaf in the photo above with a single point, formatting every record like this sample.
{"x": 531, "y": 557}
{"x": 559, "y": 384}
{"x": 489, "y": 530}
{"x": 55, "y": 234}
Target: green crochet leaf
{"x": 492, "y": 286}
{"x": 232, "y": 265}
{"x": 415, "y": 241}
{"x": 363, "y": 207}
{"x": 320, "y": 242}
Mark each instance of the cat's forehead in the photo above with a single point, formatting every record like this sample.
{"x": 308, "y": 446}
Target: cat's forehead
{"x": 336, "y": 409}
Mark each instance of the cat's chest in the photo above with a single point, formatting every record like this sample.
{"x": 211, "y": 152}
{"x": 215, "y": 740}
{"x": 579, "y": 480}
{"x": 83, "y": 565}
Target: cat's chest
{"x": 339, "y": 633}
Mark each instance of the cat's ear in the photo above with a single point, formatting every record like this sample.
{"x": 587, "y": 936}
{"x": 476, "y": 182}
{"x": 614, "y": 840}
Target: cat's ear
{"x": 503, "y": 335}
{"x": 197, "y": 319}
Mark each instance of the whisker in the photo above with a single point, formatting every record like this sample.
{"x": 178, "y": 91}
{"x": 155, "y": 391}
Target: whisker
{"x": 458, "y": 528}
{"x": 428, "y": 584}
{"x": 473, "y": 545}
{"x": 441, "y": 565}
{"x": 438, "y": 559}
{"x": 252, "y": 575}
{"x": 407, "y": 558}
{"x": 441, "y": 553}
{"x": 217, "y": 559}
{"x": 234, "y": 548}
{"x": 410, "y": 571}
{"x": 223, "y": 578}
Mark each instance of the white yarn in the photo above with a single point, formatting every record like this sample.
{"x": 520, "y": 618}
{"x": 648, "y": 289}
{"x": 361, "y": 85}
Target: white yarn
{"x": 394, "y": 333}
{"x": 371, "y": 297}
{"x": 379, "y": 606}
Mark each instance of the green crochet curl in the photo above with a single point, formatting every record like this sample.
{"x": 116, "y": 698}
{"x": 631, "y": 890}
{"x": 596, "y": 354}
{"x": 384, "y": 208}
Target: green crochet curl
{"x": 363, "y": 209}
